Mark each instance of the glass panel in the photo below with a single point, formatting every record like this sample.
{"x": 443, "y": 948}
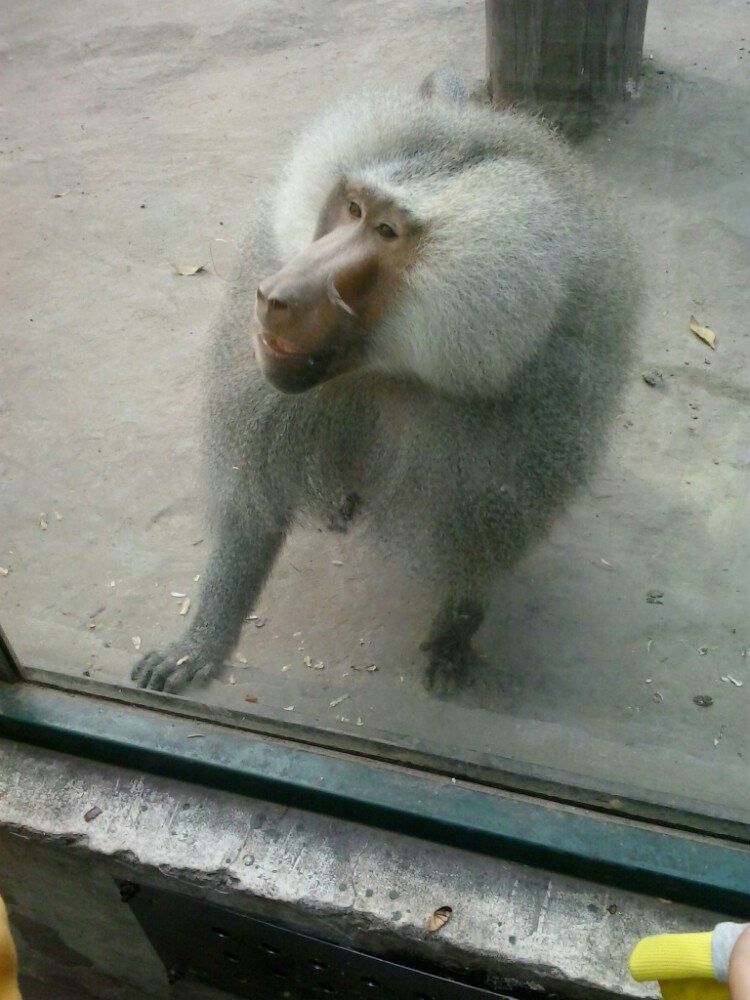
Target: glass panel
{"x": 137, "y": 150}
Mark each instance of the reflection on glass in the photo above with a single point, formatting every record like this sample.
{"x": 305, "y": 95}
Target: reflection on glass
{"x": 470, "y": 492}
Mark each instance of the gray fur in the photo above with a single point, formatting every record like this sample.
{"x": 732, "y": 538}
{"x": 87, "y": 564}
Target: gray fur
{"x": 444, "y": 84}
{"x": 485, "y": 395}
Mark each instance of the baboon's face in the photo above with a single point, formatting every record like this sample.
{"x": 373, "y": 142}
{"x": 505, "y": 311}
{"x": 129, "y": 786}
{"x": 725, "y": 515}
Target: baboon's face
{"x": 315, "y": 315}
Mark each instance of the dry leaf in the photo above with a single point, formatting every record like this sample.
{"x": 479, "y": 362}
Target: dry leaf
{"x": 289, "y": 708}
{"x": 92, "y": 813}
{"x": 337, "y": 562}
{"x": 371, "y": 668}
{"x": 188, "y": 269}
{"x": 232, "y": 680}
{"x": 242, "y": 659}
{"x": 185, "y": 606}
{"x": 195, "y": 736}
{"x": 705, "y": 333}
{"x": 439, "y": 918}
{"x": 92, "y": 624}
{"x": 43, "y": 522}
{"x": 285, "y": 668}
{"x": 196, "y": 578}
{"x": 137, "y": 641}
{"x": 307, "y": 660}
{"x": 337, "y": 701}
{"x": 251, "y": 697}
{"x": 359, "y": 721}
{"x": 182, "y": 659}
{"x": 177, "y": 593}
{"x": 4, "y": 570}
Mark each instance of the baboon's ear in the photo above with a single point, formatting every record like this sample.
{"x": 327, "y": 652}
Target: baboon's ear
{"x": 444, "y": 84}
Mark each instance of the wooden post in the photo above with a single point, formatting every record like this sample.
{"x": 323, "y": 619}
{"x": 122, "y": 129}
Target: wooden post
{"x": 564, "y": 52}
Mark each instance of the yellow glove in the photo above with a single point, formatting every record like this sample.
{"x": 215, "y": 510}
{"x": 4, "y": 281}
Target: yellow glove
{"x": 687, "y": 966}
{"x": 8, "y": 983}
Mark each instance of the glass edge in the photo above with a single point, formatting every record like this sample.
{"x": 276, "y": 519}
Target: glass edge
{"x": 552, "y": 784}
{"x": 10, "y": 669}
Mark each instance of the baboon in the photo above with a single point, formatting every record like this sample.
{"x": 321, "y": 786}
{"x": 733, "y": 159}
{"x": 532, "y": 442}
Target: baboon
{"x": 427, "y": 330}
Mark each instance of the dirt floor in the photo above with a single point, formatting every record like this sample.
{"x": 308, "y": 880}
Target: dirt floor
{"x": 137, "y": 136}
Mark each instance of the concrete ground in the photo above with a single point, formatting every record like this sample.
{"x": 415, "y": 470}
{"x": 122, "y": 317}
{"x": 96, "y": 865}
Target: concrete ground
{"x": 137, "y": 136}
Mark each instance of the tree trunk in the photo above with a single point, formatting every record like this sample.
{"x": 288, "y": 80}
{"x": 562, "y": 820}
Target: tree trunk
{"x": 564, "y": 52}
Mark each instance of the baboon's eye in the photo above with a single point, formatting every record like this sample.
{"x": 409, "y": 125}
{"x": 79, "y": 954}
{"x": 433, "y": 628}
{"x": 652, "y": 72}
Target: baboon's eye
{"x": 385, "y": 231}
{"x": 354, "y": 210}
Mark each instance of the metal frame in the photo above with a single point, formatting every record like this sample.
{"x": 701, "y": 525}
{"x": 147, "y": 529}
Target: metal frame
{"x": 711, "y": 872}
{"x": 249, "y": 956}
{"x": 677, "y": 811}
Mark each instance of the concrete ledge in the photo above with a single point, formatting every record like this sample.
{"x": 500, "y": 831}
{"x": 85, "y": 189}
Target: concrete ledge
{"x": 373, "y": 890}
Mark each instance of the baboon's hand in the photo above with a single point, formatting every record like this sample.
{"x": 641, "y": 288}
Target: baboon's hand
{"x": 176, "y": 667}
{"x": 451, "y": 668}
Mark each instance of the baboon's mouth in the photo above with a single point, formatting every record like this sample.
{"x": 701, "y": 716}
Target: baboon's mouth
{"x": 290, "y": 368}
{"x": 283, "y": 348}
